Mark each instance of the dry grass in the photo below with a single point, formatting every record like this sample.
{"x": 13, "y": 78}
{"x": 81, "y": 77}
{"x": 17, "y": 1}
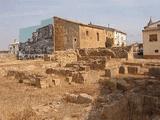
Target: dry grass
{"x": 26, "y": 114}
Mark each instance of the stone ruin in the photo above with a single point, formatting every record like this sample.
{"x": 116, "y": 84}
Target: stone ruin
{"x": 127, "y": 98}
{"x": 41, "y": 43}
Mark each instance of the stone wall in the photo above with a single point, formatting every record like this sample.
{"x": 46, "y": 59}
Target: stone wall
{"x": 92, "y": 37}
{"x": 66, "y": 34}
{"x": 96, "y": 52}
{"x": 123, "y": 52}
{"x": 65, "y": 57}
{"x": 40, "y": 43}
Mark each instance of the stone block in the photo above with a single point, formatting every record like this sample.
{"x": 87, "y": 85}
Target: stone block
{"x": 122, "y": 70}
{"x": 56, "y": 82}
{"x": 69, "y": 79}
{"x": 84, "y": 68}
{"x": 71, "y": 97}
{"x": 80, "y": 77}
{"x": 111, "y": 72}
{"x": 84, "y": 98}
{"x": 133, "y": 69}
{"x": 41, "y": 83}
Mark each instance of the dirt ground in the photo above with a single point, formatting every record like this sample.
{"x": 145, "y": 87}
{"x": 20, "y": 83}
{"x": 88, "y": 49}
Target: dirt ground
{"x": 20, "y": 101}
{"x": 17, "y": 100}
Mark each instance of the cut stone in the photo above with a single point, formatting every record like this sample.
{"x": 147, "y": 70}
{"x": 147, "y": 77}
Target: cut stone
{"x": 111, "y": 72}
{"x": 84, "y": 98}
{"x": 122, "y": 70}
{"x": 133, "y": 69}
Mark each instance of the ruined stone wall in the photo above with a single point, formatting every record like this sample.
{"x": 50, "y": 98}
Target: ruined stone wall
{"x": 91, "y": 52}
{"x": 123, "y": 52}
{"x": 66, "y": 34}
{"x": 40, "y": 43}
{"x": 92, "y": 37}
{"x": 65, "y": 57}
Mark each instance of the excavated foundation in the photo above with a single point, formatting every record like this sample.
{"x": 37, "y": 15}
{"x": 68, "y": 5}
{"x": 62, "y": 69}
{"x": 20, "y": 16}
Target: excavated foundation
{"x": 139, "y": 103}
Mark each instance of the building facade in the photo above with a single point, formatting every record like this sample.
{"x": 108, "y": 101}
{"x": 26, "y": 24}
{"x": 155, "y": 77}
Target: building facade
{"x": 151, "y": 40}
{"x": 120, "y": 38}
{"x": 73, "y": 35}
{"x": 14, "y": 47}
{"x": 56, "y": 34}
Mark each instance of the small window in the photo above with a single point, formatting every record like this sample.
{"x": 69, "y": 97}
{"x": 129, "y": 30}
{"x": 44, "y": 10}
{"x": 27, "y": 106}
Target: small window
{"x": 156, "y": 51}
{"x": 97, "y": 36}
{"x": 153, "y": 37}
{"x": 87, "y": 33}
{"x": 75, "y": 40}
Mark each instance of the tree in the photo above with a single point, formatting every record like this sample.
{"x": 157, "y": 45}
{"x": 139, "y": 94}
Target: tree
{"x": 109, "y": 42}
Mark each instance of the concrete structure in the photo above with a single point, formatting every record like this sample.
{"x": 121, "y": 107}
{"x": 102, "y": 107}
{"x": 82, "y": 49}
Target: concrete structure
{"x": 151, "y": 40}
{"x": 14, "y": 47}
{"x": 74, "y": 35}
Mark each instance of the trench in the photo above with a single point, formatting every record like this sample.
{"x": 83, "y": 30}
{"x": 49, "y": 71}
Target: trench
{"x": 139, "y": 103}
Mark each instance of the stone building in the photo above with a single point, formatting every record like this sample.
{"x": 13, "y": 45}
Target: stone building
{"x": 41, "y": 42}
{"x": 74, "y": 35}
{"x": 151, "y": 40}
{"x": 56, "y": 34}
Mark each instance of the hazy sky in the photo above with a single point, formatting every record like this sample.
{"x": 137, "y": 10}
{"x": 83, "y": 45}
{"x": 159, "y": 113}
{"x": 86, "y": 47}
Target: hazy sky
{"x": 127, "y": 15}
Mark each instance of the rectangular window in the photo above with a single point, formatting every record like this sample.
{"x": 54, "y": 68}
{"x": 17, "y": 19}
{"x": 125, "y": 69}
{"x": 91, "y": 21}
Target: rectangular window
{"x": 156, "y": 51}
{"x": 153, "y": 37}
{"x": 97, "y": 36}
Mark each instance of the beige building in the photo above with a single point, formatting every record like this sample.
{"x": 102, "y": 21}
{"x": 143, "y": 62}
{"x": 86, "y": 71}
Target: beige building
{"x": 151, "y": 40}
{"x": 73, "y": 35}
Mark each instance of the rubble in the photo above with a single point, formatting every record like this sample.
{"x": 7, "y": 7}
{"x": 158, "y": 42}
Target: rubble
{"x": 154, "y": 71}
{"x": 131, "y": 96}
{"x": 122, "y": 85}
{"x": 40, "y": 43}
{"x": 111, "y": 84}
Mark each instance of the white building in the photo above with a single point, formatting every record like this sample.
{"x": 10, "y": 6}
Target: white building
{"x": 151, "y": 40}
{"x": 120, "y": 38}
{"x": 14, "y": 47}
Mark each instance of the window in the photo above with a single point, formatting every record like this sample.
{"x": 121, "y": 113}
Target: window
{"x": 75, "y": 40}
{"x": 156, "y": 51}
{"x": 97, "y": 36}
{"x": 153, "y": 37}
{"x": 87, "y": 33}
